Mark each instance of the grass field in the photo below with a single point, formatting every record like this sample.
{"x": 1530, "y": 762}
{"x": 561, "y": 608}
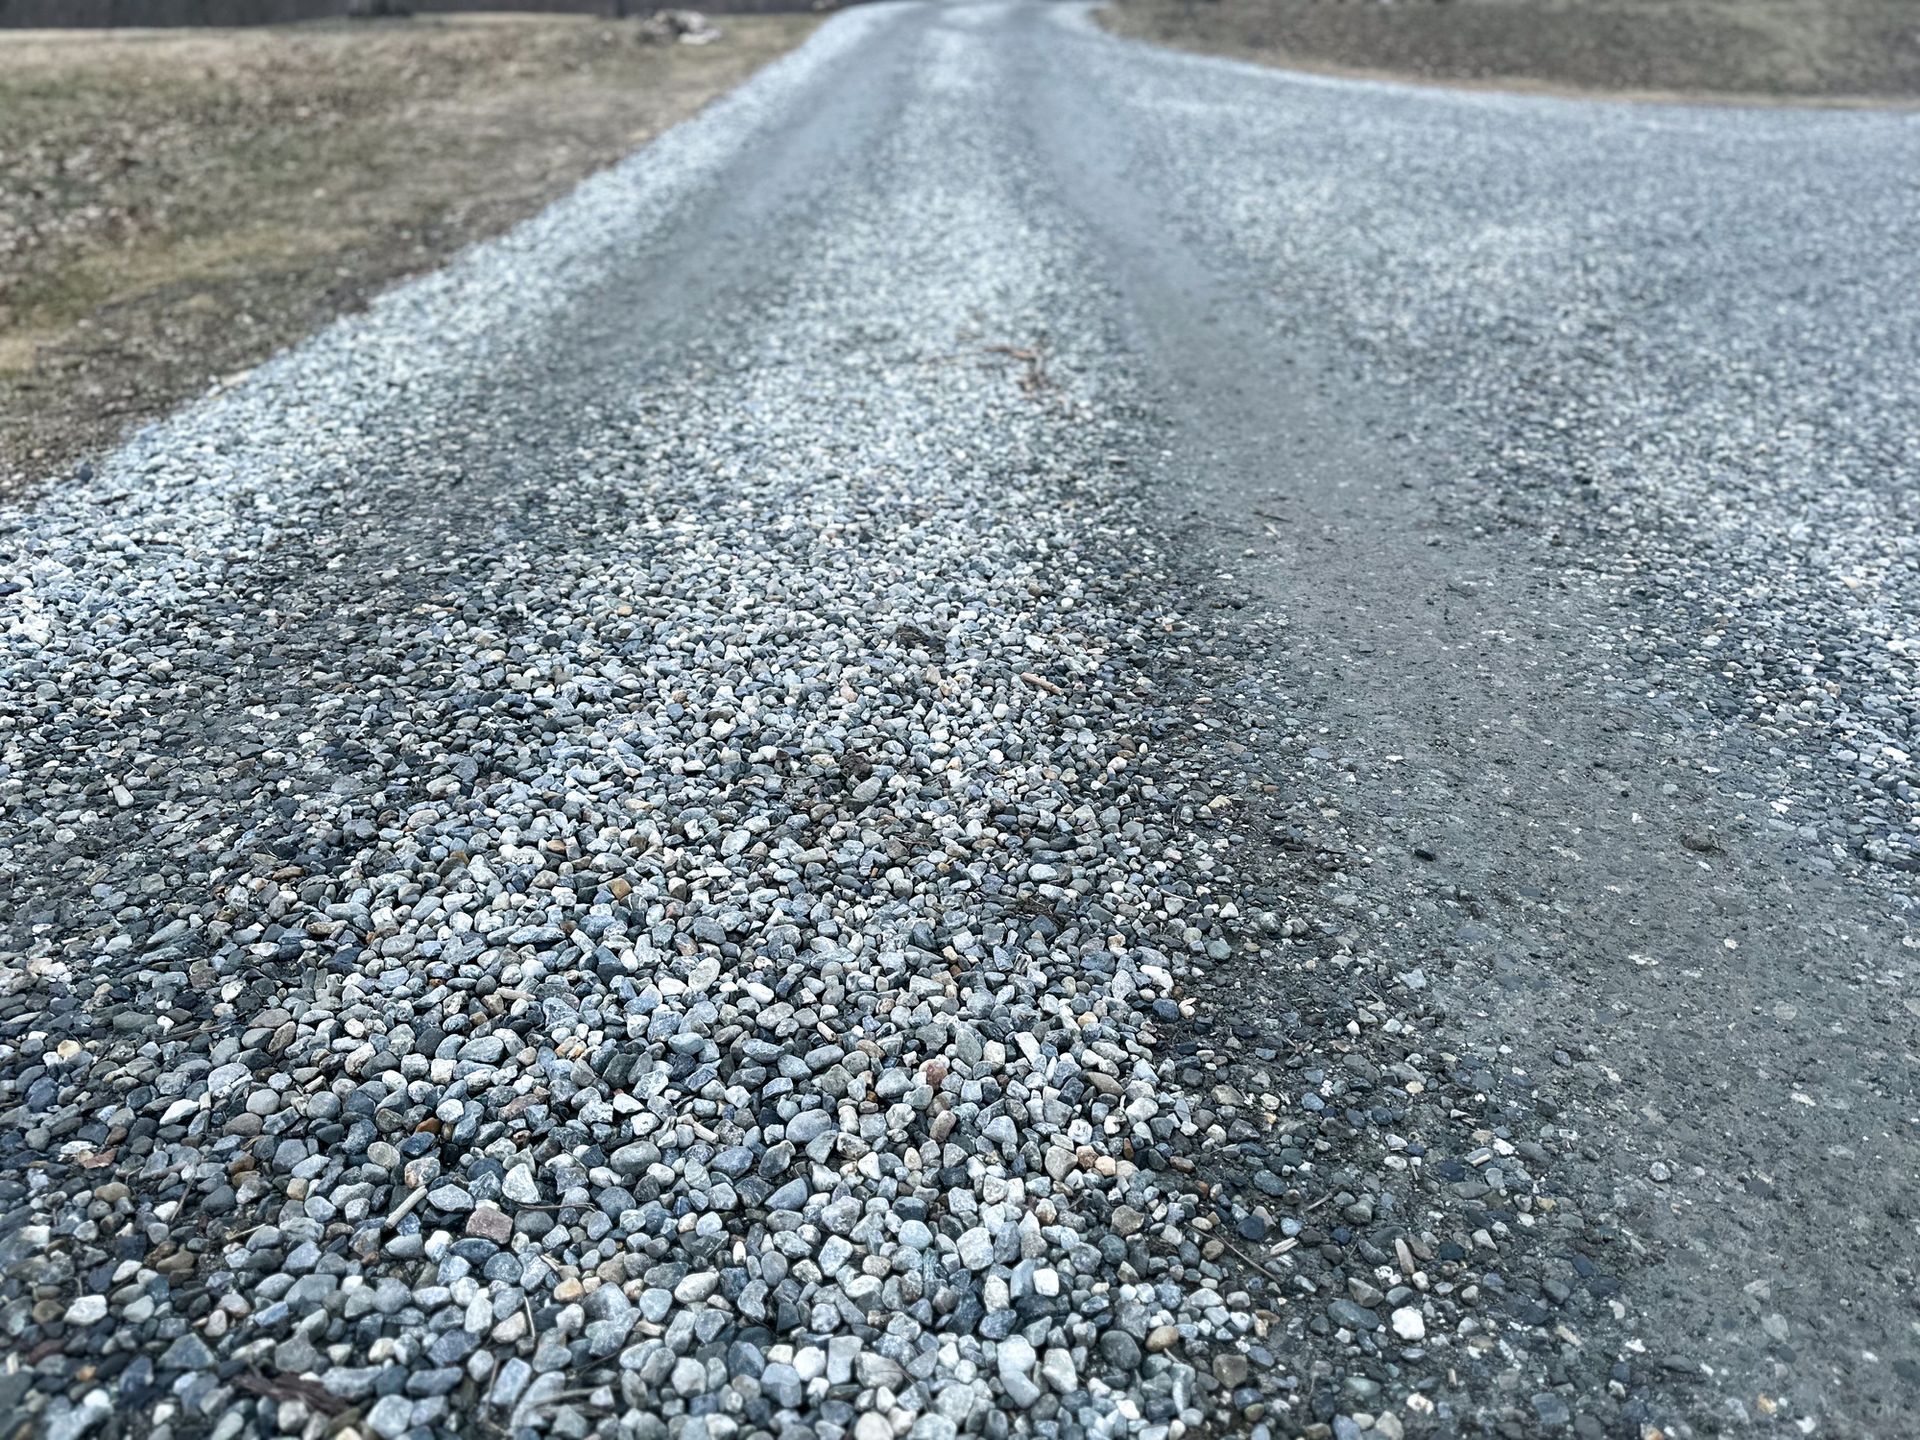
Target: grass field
{"x": 1823, "y": 50}
{"x": 175, "y": 205}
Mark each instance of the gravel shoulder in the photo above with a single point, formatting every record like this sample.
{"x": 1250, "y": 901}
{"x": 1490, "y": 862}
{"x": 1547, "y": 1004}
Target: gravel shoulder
{"x": 175, "y": 206}
{"x": 1808, "y": 51}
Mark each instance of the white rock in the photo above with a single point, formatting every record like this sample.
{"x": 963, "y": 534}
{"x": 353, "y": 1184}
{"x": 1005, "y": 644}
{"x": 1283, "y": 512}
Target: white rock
{"x": 520, "y": 1187}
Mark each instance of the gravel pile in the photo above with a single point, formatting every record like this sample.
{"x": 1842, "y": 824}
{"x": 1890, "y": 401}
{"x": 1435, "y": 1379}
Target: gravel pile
{"x": 546, "y": 913}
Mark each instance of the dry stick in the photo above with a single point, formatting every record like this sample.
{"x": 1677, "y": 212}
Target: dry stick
{"x": 405, "y": 1208}
{"x": 567, "y": 1395}
{"x": 1035, "y": 360}
{"x": 290, "y": 1387}
{"x": 1278, "y": 1280}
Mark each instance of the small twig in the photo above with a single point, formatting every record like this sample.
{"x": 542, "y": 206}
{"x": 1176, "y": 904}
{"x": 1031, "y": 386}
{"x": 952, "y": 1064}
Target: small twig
{"x": 291, "y": 1387}
{"x": 1286, "y": 1245}
{"x": 405, "y": 1207}
{"x": 1034, "y": 377}
{"x": 566, "y": 1395}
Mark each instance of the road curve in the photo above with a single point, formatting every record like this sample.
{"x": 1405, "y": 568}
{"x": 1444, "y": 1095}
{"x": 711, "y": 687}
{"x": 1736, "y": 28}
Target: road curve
{"x": 1022, "y": 736}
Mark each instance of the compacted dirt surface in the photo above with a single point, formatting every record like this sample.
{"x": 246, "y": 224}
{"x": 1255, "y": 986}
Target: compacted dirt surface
{"x": 1814, "y": 50}
{"x": 1023, "y": 736}
{"x": 176, "y": 205}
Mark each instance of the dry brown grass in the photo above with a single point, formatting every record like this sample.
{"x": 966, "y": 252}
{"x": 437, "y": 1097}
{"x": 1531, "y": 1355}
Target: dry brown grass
{"x": 176, "y": 205}
{"x": 1799, "y": 50}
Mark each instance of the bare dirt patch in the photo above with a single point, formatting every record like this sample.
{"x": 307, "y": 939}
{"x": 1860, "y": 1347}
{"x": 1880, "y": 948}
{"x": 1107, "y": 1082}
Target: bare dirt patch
{"x": 1809, "y": 50}
{"x": 175, "y": 206}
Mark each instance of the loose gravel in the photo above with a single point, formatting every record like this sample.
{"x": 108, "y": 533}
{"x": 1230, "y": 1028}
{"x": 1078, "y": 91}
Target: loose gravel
{"x": 678, "y": 934}
{"x": 1690, "y": 373}
{"x": 655, "y": 838}
{"x": 1562, "y": 456}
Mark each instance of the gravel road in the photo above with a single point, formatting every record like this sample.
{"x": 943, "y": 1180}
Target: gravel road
{"x": 1022, "y": 737}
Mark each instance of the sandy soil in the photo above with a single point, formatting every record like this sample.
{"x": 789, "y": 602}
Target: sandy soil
{"x": 1823, "y": 50}
{"x": 175, "y": 206}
